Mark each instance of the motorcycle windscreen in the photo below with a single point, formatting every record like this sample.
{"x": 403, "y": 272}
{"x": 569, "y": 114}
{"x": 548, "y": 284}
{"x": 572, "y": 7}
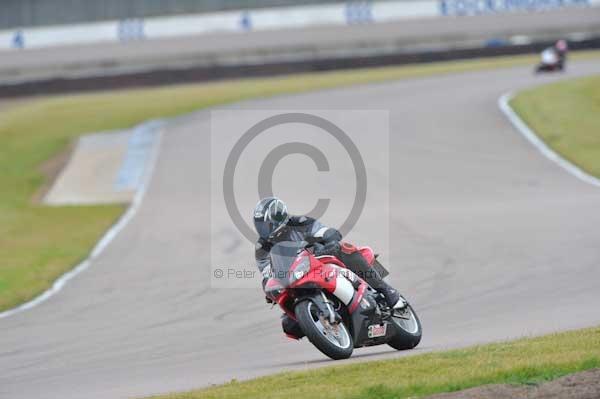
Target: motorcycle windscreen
{"x": 283, "y": 255}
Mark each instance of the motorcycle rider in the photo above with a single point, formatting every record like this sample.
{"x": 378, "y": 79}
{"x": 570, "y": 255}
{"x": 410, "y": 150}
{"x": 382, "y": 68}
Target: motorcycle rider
{"x": 562, "y": 48}
{"x": 554, "y": 57}
{"x": 273, "y": 224}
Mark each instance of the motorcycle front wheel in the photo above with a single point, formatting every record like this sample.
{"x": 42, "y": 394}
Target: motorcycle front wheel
{"x": 334, "y": 340}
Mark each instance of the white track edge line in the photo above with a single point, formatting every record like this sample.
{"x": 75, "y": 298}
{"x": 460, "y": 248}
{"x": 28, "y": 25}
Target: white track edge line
{"x": 108, "y": 237}
{"x": 525, "y": 130}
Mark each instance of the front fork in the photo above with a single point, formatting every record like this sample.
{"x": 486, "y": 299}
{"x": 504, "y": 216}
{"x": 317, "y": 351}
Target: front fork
{"x": 324, "y": 305}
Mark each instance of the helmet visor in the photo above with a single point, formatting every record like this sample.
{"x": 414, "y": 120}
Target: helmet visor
{"x": 264, "y": 228}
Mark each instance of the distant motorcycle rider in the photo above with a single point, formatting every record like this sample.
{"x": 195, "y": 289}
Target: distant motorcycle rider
{"x": 273, "y": 224}
{"x": 562, "y": 48}
{"x": 554, "y": 58}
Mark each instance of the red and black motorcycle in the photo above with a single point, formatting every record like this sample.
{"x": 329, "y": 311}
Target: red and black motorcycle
{"x": 335, "y": 308}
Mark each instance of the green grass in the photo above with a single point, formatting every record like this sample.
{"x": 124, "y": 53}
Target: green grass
{"x": 37, "y": 243}
{"x": 526, "y": 361}
{"x": 566, "y": 115}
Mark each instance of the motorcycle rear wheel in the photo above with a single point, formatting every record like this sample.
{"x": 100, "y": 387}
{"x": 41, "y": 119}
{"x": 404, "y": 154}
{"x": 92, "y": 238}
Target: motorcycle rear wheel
{"x": 321, "y": 334}
{"x": 408, "y": 329}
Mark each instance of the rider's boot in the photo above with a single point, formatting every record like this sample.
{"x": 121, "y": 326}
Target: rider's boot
{"x": 359, "y": 265}
{"x": 392, "y": 296}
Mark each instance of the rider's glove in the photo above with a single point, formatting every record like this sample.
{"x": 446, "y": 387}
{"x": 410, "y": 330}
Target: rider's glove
{"x": 329, "y": 248}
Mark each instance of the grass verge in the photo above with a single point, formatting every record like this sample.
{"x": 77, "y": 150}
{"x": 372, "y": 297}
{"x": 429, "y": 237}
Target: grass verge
{"x": 37, "y": 243}
{"x": 525, "y": 361}
{"x": 566, "y": 115}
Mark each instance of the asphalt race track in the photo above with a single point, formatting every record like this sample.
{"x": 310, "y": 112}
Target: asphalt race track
{"x": 489, "y": 240}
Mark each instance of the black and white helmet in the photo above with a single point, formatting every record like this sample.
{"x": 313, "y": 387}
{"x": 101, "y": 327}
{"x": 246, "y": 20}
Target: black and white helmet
{"x": 270, "y": 214}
